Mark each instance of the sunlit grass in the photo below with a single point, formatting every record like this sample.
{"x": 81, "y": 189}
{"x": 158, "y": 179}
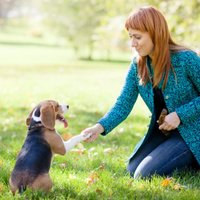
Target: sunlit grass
{"x": 91, "y": 170}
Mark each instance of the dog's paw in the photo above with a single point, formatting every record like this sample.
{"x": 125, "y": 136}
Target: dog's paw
{"x": 86, "y": 136}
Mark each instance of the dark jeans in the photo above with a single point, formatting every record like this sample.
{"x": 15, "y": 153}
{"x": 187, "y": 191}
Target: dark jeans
{"x": 161, "y": 155}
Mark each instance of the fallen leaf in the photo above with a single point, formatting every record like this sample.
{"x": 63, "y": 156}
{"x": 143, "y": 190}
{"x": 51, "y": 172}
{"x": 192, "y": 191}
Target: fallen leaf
{"x": 93, "y": 178}
{"x": 78, "y": 151}
{"x": 1, "y": 187}
{"x": 72, "y": 176}
{"x": 91, "y": 149}
{"x": 177, "y": 187}
{"x": 166, "y": 182}
{"x": 63, "y": 165}
{"x": 98, "y": 191}
{"x": 102, "y": 166}
{"x": 130, "y": 183}
{"x": 108, "y": 150}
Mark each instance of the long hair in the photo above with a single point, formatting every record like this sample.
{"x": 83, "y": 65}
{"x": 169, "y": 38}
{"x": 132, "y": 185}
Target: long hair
{"x": 149, "y": 19}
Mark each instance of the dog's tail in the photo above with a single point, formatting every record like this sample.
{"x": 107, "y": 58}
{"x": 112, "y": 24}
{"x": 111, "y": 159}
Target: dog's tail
{"x": 21, "y": 189}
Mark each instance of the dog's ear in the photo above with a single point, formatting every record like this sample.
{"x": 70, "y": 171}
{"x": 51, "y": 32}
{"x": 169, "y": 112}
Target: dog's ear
{"x": 48, "y": 115}
{"x": 28, "y": 119}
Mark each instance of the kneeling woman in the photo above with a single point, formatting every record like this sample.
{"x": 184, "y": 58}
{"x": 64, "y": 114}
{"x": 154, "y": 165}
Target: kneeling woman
{"x": 166, "y": 75}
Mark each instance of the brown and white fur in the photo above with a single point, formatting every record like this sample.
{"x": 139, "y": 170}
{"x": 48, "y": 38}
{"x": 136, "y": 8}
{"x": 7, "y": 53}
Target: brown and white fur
{"x": 42, "y": 142}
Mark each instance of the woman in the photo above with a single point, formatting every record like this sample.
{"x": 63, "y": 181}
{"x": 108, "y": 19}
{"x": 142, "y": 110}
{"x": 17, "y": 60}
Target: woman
{"x": 166, "y": 75}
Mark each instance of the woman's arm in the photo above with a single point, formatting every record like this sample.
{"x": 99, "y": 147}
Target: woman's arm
{"x": 124, "y": 102}
{"x": 191, "y": 110}
{"x": 121, "y": 108}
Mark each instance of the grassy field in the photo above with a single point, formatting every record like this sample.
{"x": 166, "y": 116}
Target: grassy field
{"x": 29, "y": 74}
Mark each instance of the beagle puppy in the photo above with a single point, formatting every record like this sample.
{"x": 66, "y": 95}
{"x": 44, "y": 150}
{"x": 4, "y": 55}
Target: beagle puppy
{"x": 33, "y": 162}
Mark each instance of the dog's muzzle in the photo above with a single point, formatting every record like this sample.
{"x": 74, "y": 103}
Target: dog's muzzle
{"x": 64, "y": 108}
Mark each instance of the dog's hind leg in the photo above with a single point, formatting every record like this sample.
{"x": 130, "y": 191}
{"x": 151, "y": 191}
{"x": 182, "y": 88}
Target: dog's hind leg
{"x": 42, "y": 182}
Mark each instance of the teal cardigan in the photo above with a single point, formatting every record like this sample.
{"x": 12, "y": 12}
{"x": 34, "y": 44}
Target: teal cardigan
{"x": 181, "y": 94}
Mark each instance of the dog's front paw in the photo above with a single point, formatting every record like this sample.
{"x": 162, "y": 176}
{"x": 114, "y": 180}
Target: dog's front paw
{"x": 86, "y": 135}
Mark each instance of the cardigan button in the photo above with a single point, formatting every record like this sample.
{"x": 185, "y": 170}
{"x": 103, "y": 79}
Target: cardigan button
{"x": 166, "y": 97}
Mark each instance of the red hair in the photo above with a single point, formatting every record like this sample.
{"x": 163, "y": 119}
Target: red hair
{"x": 149, "y": 19}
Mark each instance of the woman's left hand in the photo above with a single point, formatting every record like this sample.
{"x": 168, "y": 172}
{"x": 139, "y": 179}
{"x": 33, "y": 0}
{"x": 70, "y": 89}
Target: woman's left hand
{"x": 171, "y": 122}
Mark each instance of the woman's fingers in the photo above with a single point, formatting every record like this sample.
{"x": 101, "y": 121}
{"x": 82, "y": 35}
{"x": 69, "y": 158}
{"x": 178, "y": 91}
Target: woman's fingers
{"x": 171, "y": 122}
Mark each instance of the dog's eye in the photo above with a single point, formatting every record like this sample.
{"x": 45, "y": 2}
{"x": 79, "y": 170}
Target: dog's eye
{"x": 56, "y": 107}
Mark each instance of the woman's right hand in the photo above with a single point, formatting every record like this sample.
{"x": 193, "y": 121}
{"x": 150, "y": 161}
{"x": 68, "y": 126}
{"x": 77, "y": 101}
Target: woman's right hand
{"x": 94, "y": 132}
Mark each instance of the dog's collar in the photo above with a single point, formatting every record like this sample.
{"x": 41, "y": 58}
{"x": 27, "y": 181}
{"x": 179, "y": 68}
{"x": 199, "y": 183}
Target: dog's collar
{"x": 35, "y": 126}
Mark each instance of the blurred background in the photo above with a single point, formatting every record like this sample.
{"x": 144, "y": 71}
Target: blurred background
{"x": 88, "y": 29}
{"x": 76, "y": 51}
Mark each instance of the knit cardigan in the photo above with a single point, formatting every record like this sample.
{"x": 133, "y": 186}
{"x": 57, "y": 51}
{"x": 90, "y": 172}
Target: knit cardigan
{"x": 181, "y": 94}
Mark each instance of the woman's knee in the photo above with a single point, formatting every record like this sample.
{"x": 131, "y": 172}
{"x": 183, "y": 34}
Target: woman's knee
{"x": 135, "y": 170}
{"x": 146, "y": 168}
{"x": 139, "y": 173}
{"x": 143, "y": 173}
{"x": 131, "y": 167}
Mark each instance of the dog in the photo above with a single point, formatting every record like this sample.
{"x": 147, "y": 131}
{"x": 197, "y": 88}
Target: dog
{"x": 42, "y": 142}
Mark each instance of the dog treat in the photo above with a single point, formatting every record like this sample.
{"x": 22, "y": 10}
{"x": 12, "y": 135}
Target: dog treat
{"x": 161, "y": 119}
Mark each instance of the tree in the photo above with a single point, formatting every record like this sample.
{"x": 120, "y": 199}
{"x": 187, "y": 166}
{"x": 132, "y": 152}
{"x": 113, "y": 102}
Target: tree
{"x": 5, "y": 8}
{"x": 77, "y": 20}
{"x": 86, "y": 23}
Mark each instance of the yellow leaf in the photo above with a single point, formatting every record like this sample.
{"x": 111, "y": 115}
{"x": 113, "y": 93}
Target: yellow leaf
{"x": 166, "y": 182}
{"x": 177, "y": 187}
{"x": 108, "y": 150}
{"x": 78, "y": 151}
{"x": 1, "y": 187}
{"x": 93, "y": 178}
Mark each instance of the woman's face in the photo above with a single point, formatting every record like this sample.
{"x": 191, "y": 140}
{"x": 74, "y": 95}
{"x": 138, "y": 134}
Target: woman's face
{"x": 142, "y": 42}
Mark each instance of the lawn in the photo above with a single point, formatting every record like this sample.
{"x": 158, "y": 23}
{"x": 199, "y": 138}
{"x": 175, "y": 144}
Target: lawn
{"x": 31, "y": 73}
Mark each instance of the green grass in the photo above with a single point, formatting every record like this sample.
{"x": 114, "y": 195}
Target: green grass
{"x": 29, "y": 74}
